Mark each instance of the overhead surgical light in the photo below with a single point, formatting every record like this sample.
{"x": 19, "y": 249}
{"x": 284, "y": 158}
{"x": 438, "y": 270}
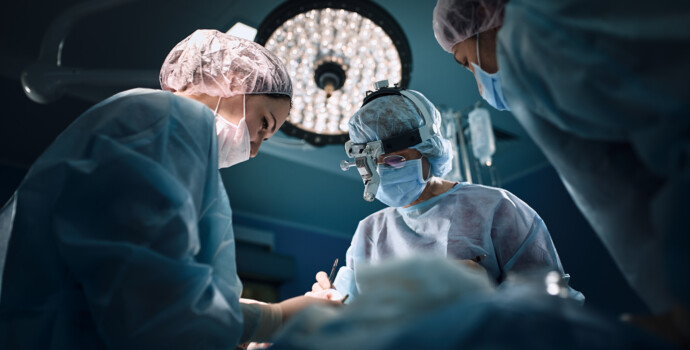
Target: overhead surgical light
{"x": 334, "y": 51}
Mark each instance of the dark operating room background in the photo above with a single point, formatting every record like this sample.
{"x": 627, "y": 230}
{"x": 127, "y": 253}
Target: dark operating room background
{"x": 299, "y": 204}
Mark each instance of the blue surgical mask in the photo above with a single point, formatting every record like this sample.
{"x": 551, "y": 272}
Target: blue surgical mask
{"x": 490, "y": 85}
{"x": 400, "y": 187}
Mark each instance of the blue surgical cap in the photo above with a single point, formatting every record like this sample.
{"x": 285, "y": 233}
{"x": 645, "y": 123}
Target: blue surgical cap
{"x": 393, "y": 115}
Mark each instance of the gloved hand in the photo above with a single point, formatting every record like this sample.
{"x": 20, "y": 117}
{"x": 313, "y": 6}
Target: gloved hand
{"x": 292, "y": 306}
{"x": 323, "y": 288}
{"x": 322, "y": 282}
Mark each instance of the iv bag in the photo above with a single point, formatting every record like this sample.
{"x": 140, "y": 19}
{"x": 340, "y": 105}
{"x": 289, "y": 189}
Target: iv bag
{"x": 483, "y": 143}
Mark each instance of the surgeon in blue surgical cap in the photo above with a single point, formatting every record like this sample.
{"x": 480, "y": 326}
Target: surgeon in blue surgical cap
{"x": 429, "y": 215}
{"x": 602, "y": 89}
{"x": 120, "y": 236}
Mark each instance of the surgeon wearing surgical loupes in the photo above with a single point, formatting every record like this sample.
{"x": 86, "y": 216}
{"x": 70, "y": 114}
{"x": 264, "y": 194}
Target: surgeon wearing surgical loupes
{"x": 121, "y": 236}
{"x": 601, "y": 87}
{"x": 394, "y": 139}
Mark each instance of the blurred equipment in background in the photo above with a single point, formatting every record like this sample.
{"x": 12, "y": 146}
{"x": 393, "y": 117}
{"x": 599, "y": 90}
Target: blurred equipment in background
{"x": 261, "y": 269}
{"x": 472, "y": 130}
{"x": 483, "y": 143}
{"x": 47, "y": 80}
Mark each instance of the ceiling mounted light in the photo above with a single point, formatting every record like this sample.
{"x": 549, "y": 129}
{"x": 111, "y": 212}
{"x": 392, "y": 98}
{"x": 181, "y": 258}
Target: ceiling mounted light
{"x": 334, "y": 51}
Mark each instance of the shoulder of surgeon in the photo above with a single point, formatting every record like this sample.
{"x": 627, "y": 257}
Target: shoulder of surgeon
{"x": 482, "y": 195}
{"x": 136, "y": 111}
{"x": 377, "y": 217}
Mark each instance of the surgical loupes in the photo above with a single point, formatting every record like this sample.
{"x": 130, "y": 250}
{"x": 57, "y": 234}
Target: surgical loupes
{"x": 366, "y": 158}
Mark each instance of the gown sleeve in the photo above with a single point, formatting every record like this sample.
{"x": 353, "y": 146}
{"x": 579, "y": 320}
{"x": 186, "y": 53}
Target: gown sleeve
{"x": 523, "y": 242}
{"x": 143, "y": 225}
{"x": 345, "y": 281}
{"x": 134, "y": 256}
{"x": 616, "y": 133}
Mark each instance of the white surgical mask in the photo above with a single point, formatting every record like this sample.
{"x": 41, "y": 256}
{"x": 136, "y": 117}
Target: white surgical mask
{"x": 233, "y": 140}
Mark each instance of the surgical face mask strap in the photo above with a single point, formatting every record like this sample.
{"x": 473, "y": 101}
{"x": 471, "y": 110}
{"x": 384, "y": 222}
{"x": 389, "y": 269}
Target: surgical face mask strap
{"x": 217, "y": 106}
{"x": 244, "y": 108}
{"x": 234, "y": 145}
{"x": 479, "y": 60}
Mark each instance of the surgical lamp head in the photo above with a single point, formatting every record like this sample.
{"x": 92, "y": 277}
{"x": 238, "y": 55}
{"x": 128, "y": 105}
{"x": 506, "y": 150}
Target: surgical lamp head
{"x": 392, "y": 119}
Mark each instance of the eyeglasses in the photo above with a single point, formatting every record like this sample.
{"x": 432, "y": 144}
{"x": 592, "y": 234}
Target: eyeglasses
{"x": 394, "y": 161}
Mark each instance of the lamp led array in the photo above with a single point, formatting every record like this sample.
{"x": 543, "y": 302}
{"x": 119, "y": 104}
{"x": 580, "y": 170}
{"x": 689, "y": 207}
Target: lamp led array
{"x": 340, "y": 38}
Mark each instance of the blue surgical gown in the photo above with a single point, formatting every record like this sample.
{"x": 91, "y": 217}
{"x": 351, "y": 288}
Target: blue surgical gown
{"x": 602, "y": 87}
{"x": 121, "y": 235}
{"x": 463, "y": 223}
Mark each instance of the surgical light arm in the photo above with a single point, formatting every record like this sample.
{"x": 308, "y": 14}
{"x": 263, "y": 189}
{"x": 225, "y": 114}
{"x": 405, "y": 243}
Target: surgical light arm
{"x": 47, "y": 80}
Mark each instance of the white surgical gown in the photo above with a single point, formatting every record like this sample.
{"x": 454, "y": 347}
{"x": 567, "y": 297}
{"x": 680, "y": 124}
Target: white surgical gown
{"x": 465, "y": 222}
{"x": 122, "y": 235}
{"x": 602, "y": 87}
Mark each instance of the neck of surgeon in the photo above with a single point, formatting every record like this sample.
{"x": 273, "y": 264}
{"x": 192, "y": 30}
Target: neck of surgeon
{"x": 434, "y": 187}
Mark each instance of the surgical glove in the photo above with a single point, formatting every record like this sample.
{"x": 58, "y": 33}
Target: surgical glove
{"x": 323, "y": 289}
{"x": 329, "y": 294}
{"x": 322, "y": 282}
